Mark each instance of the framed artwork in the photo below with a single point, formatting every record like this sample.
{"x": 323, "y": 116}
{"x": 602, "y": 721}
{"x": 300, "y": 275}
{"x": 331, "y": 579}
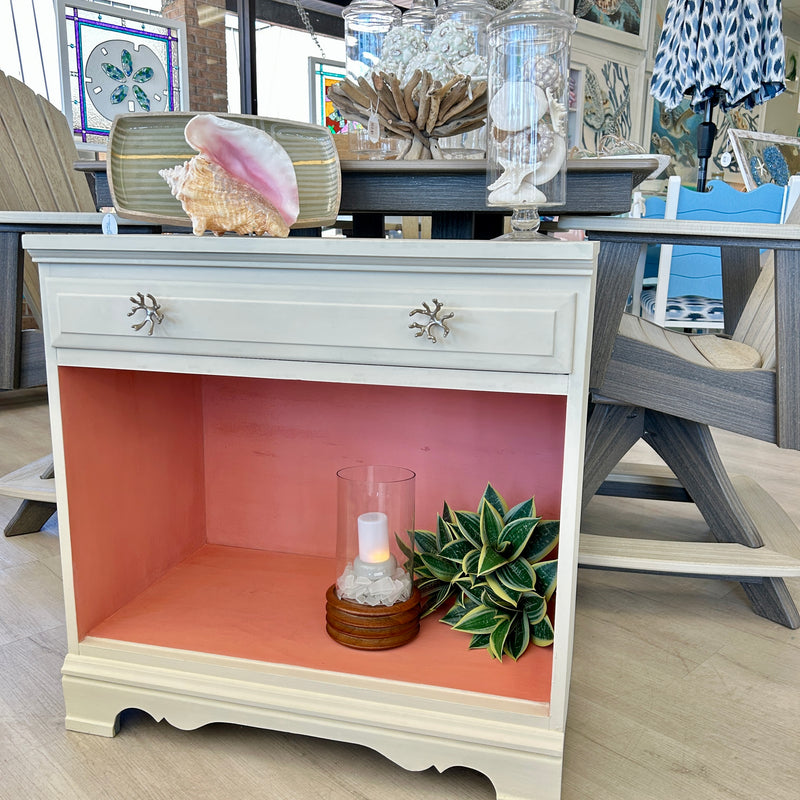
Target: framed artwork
{"x": 322, "y": 75}
{"x": 575, "y": 107}
{"x": 792, "y": 63}
{"x": 115, "y": 61}
{"x": 765, "y": 157}
{"x": 612, "y": 91}
{"x": 623, "y": 21}
{"x": 674, "y": 133}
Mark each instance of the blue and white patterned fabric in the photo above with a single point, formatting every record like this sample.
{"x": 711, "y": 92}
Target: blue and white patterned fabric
{"x": 730, "y": 49}
{"x": 687, "y": 311}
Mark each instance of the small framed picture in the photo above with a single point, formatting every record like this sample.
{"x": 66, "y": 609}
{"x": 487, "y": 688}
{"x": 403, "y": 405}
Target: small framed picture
{"x": 792, "y": 62}
{"x": 765, "y": 157}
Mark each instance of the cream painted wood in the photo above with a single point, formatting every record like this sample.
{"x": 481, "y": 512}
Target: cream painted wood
{"x": 26, "y": 482}
{"x": 712, "y": 559}
{"x": 532, "y": 303}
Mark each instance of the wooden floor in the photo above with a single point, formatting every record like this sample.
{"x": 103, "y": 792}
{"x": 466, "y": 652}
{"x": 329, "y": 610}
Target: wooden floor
{"x": 678, "y": 690}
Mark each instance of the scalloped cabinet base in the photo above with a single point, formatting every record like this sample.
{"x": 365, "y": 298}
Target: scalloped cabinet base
{"x": 194, "y": 464}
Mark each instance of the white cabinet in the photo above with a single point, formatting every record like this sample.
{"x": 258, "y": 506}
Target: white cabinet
{"x": 196, "y": 477}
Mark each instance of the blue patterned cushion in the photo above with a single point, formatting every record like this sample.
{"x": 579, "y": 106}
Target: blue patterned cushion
{"x": 688, "y": 309}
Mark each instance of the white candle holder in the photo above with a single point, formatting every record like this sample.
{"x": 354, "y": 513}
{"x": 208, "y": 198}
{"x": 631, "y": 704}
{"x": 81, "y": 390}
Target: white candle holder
{"x": 373, "y": 603}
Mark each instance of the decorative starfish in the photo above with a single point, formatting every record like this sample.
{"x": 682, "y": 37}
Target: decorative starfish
{"x": 558, "y": 113}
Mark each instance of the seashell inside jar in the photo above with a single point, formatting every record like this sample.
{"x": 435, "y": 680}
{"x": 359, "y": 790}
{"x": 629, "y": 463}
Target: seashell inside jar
{"x": 527, "y": 114}
{"x": 528, "y": 136}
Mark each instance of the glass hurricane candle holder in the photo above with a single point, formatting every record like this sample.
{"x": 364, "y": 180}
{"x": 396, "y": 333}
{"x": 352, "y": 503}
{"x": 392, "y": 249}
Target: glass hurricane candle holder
{"x": 374, "y": 605}
{"x": 527, "y": 113}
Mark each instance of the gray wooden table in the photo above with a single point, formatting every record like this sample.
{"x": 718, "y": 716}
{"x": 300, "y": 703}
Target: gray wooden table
{"x": 740, "y": 245}
{"x": 452, "y": 192}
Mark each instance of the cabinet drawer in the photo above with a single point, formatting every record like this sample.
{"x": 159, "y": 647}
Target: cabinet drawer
{"x": 512, "y": 323}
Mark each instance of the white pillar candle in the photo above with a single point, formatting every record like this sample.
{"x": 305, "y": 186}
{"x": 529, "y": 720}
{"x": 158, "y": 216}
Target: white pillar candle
{"x": 373, "y": 537}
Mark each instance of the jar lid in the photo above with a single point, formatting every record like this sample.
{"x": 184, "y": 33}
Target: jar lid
{"x": 527, "y": 12}
{"x": 380, "y": 6}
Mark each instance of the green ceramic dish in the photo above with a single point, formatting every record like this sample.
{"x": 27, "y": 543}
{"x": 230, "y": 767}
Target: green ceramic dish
{"x": 142, "y": 144}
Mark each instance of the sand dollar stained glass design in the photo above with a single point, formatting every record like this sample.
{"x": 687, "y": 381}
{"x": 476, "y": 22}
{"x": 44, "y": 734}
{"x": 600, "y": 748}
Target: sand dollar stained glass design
{"x": 120, "y": 61}
{"x": 121, "y": 76}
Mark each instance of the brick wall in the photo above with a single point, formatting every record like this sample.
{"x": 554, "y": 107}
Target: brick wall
{"x": 205, "y": 38}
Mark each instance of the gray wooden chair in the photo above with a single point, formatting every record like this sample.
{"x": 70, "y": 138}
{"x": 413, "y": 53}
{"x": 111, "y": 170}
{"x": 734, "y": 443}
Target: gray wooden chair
{"x": 669, "y": 389}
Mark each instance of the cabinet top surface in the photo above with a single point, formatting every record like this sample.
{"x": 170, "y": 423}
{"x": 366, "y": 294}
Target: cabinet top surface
{"x": 188, "y": 250}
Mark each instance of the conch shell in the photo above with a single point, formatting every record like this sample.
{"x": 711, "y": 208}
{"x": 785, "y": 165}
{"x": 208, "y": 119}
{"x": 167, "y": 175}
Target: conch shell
{"x": 242, "y": 180}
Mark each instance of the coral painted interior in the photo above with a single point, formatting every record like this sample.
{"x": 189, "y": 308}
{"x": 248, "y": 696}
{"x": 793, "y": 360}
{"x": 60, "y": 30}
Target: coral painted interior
{"x": 203, "y": 509}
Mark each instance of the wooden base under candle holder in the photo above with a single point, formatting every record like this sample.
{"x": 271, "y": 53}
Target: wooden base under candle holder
{"x": 372, "y": 627}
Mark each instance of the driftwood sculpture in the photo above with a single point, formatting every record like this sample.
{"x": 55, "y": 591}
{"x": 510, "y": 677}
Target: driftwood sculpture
{"x": 421, "y": 112}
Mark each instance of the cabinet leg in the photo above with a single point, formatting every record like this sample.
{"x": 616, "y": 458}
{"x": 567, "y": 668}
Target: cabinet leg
{"x": 90, "y": 710}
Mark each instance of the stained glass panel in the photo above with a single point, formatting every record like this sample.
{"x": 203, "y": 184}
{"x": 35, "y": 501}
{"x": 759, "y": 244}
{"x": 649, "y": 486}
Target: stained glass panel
{"x": 118, "y": 64}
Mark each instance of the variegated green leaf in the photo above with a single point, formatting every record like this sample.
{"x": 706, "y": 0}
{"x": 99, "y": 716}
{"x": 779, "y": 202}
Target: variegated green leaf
{"x": 469, "y": 525}
{"x": 448, "y": 514}
{"x": 455, "y": 551}
{"x": 491, "y": 524}
{"x": 535, "y": 607}
{"x": 444, "y": 533}
{"x": 542, "y": 632}
{"x": 144, "y": 74}
{"x": 425, "y": 542}
{"x": 527, "y": 508}
{"x": 455, "y": 614}
{"x": 519, "y": 636}
{"x": 113, "y": 72}
{"x": 428, "y": 585}
{"x": 480, "y": 641}
{"x": 435, "y": 601}
{"x": 502, "y": 594}
{"x": 471, "y": 561}
{"x": 494, "y": 499}
{"x": 546, "y": 573}
{"x": 518, "y": 575}
{"x": 489, "y": 561}
{"x": 440, "y": 567}
{"x": 478, "y": 620}
{"x": 402, "y": 543}
{"x": 515, "y": 536}
{"x": 470, "y": 595}
{"x": 464, "y": 582}
{"x": 544, "y": 539}
{"x": 119, "y": 94}
{"x": 497, "y": 638}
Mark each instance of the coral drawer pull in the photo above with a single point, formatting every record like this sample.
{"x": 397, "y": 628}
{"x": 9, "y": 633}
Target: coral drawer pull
{"x": 434, "y": 319}
{"x": 151, "y": 312}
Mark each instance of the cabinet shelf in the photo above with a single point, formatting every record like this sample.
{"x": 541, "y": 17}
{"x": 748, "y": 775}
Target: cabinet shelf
{"x": 270, "y": 607}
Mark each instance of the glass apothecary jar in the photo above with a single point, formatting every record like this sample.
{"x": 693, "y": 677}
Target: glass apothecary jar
{"x": 366, "y": 23}
{"x": 472, "y": 15}
{"x": 529, "y": 46}
{"x": 373, "y": 604}
{"x": 421, "y": 15}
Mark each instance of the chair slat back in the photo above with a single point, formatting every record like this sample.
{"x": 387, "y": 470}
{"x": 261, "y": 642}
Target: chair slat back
{"x": 756, "y": 325}
{"x": 37, "y": 154}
